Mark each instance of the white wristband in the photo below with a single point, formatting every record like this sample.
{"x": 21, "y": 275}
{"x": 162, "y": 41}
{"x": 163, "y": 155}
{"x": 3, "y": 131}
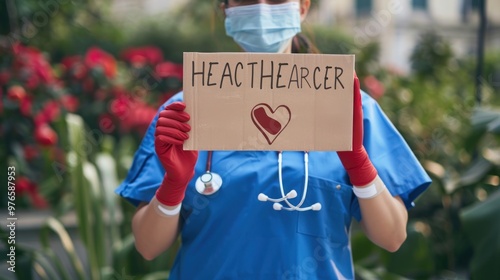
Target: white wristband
{"x": 374, "y": 189}
{"x": 170, "y": 212}
{"x": 163, "y": 210}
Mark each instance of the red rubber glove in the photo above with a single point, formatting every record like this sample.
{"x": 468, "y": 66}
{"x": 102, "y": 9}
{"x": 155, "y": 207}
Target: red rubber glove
{"x": 170, "y": 134}
{"x": 356, "y": 162}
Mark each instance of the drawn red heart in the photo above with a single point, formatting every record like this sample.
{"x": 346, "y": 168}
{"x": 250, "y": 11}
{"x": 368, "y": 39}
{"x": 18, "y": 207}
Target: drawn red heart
{"x": 271, "y": 122}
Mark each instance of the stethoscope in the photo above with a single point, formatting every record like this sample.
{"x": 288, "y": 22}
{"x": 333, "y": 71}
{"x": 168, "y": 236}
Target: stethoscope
{"x": 210, "y": 182}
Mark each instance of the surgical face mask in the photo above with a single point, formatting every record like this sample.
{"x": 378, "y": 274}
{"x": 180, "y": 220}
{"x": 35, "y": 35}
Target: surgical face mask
{"x": 263, "y": 27}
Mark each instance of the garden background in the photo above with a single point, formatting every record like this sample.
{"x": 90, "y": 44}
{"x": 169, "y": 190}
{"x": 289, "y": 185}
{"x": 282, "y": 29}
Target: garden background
{"x": 78, "y": 89}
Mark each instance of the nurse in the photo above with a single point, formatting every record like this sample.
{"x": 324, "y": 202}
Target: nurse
{"x": 231, "y": 233}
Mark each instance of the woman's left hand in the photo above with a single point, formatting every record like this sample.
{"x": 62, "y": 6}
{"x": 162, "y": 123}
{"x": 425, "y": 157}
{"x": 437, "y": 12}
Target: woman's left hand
{"x": 356, "y": 162}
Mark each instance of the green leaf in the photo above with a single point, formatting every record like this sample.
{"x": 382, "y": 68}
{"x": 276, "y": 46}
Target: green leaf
{"x": 494, "y": 126}
{"x": 159, "y": 275}
{"x": 98, "y": 247}
{"x": 84, "y": 199}
{"x": 44, "y": 268}
{"x": 106, "y": 165}
{"x": 487, "y": 119}
{"x": 481, "y": 223}
{"x": 475, "y": 172}
{"x": 69, "y": 249}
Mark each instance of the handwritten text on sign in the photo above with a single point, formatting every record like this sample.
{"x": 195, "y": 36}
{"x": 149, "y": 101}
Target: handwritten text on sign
{"x": 248, "y": 101}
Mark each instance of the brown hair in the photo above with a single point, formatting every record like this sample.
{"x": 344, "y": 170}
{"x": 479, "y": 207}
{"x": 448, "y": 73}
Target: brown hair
{"x": 301, "y": 44}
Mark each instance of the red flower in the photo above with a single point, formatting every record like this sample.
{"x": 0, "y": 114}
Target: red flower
{"x": 168, "y": 69}
{"x": 38, "y": 200}
{"x": 32, "y": 66}
{"x": 23, "y": 185}
{"x": 106, "y": 123}
{"x": 70, "y": 61}
{"x": 121, "y": 107}
{"x": 74, "y": 66}
{"x": 4, "y": 77}
{"x": 30, "y": 152}
{"x": 143, "y": 117}
{"x": 142, "y": 55}
{"x": 25, "y": 106}
{"x": 16, "y": 93}
{"x": 137, "y": 119}
{"x": 26, "y": 186}
{"x": 45, "y": 135}
{"x": 32, "y": 82}
{"x": 374, "y": 87}
{"x": 70, "y": 103}
{"x": 96, "y": 57}
{"x": 49, "y": 113}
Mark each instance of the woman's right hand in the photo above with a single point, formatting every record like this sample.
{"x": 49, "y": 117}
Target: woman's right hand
{"x": 170, "y": 134}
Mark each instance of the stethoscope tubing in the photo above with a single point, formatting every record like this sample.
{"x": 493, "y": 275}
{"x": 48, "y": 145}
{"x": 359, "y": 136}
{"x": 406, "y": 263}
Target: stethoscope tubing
{"x": 306, "y": 181}
{"x": 210, "y": 182}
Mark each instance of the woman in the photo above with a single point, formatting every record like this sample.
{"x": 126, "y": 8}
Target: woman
{"x": 231, "y": 234}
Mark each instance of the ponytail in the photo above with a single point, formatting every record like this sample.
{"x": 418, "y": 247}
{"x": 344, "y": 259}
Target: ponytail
{"x": 300, "y": 44}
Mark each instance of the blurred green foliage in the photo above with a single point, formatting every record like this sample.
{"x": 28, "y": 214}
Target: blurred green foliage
{"x": 64, "y": 27}
{"x": 457, "y": 141}
{"x": 431, "y": 51}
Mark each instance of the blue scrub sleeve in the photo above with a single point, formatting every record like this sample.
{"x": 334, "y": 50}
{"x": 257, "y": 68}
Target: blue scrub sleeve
{"x": 395, "y": 162}
{"x": 146, "y": 173}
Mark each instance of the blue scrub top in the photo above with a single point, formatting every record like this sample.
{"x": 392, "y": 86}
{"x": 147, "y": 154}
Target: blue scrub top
{"x": 233, "y": 235}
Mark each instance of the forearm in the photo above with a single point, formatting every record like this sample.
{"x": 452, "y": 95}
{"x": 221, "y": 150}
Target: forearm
{"x": 153, "y": 232}
{"x": 384, "y": 219}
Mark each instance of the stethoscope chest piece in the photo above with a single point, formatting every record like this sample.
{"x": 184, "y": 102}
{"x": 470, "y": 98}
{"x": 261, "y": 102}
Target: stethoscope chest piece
{"x": 208, "y": 183}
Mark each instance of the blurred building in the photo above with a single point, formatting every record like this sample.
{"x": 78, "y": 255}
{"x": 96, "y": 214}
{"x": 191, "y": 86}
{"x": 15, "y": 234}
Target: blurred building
{"x": 397, "y": 24}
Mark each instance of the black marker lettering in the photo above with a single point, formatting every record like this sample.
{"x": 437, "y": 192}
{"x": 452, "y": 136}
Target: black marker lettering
{"x": 317, "y": 69}
{"x": 236, "y": 74}
{"x": 337, "y": 76}
{"x": 210, "y": 73}
{"x": 252, "y": 64}
{"x": 279, "y": 75}
{"x": 226, "y": 73}
{"x": 202, "y": 73}
{"x": 262, "y": 76}
{"x": 326, "y": 76}
{"x": 303, "y": 76}
{"x": 296, "y": 80}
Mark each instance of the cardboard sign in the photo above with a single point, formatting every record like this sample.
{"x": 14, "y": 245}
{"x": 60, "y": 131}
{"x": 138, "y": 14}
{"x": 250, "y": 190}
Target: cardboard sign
{"x": 256, "y": 101}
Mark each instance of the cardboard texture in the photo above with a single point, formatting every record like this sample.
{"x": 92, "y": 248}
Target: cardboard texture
{"x": 257, "y": 101}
